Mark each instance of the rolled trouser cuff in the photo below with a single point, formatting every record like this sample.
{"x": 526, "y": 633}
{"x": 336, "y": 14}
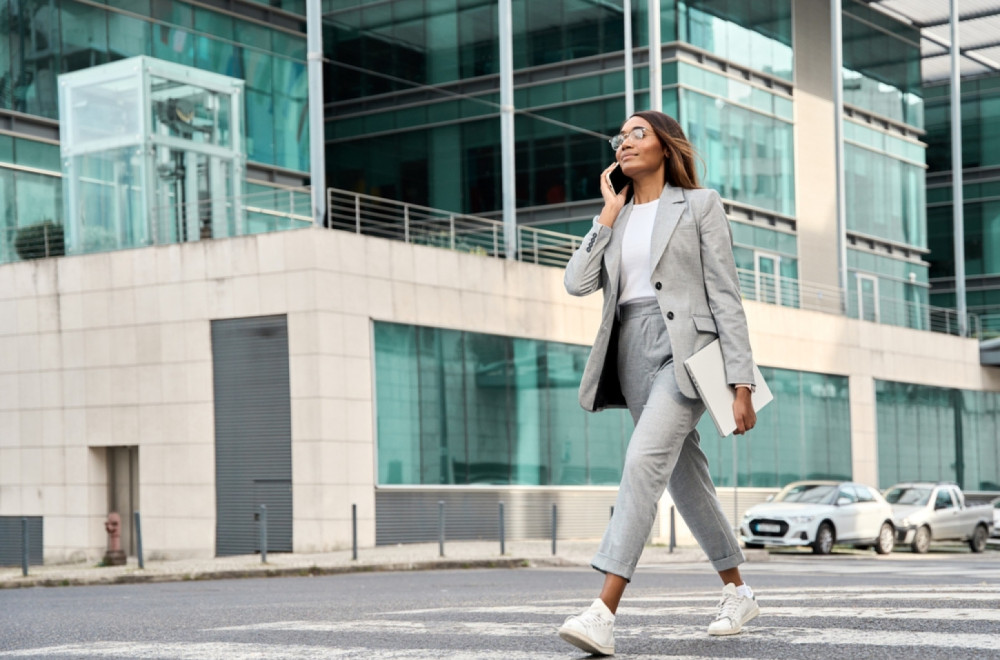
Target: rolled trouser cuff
{"x": 732, "y": 561}
{"x": 606, "y": 564}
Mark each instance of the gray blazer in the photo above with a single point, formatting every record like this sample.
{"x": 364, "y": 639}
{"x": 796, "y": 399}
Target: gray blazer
{"x": 694, "y": 278}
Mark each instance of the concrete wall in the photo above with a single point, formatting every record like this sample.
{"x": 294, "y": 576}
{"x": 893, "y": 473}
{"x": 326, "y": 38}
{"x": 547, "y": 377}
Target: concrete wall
{"x": 114, "y": 349}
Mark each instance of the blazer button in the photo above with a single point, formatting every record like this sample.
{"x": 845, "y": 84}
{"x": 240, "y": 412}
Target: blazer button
{"x": 658, "y": 286}
{"x": 670, "y": 316}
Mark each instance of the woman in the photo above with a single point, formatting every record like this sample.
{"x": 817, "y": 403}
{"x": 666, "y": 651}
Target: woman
{"x": 664, "y": 261}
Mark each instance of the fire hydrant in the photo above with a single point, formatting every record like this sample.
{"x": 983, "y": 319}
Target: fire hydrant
{"x": 115, "y": 556}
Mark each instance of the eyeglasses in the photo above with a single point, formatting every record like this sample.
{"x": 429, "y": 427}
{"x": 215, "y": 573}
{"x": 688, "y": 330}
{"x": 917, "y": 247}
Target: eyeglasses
{"x": 635, "y": 135}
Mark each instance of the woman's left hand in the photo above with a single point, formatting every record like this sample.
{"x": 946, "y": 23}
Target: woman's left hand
{"x": 743, "y": 411}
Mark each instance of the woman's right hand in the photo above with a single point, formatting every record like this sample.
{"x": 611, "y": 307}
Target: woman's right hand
{"x": 613, "y": 203}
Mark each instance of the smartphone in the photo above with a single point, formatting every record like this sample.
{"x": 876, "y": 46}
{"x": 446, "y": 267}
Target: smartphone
{"x": 618, "y": 179}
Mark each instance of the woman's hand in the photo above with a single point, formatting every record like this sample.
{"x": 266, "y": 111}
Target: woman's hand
{"x": 613, "y": 203}
{"x": 743, "y": 411}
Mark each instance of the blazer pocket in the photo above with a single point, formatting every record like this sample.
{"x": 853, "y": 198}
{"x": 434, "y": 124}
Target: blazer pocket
{"x": 705, "y": 324}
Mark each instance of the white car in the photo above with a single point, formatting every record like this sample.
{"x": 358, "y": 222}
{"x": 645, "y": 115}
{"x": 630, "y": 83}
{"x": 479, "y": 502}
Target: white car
{"x": 820, "y": 514}
{"x": 996, "y": 517}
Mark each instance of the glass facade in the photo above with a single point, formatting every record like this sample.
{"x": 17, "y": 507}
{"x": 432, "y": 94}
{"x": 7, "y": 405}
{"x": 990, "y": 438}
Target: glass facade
{"x": 805, "y": 433}
{"x": 757, "y": 35}
{"x": 464, "y": 408}
{"x": 887, "y": 290}
{"x": 51, "y": 37}
{"x": 937, "y": 434}
{"x": 44, "y": 39}
{"x": 423, "y": 62}
{"x": 980, "y": 102}
{"x": 884, "y": 186}
{"x": 882, "y": 65}
{"x": 30, "y": 191}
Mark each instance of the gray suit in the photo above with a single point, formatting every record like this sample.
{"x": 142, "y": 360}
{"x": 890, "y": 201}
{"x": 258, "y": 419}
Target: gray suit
{"x": 694, "y": 277}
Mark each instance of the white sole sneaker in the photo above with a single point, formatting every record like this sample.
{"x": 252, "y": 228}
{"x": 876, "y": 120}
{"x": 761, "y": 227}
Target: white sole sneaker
{"x": 748, "y": 616}
{"x": 584, "y": 643}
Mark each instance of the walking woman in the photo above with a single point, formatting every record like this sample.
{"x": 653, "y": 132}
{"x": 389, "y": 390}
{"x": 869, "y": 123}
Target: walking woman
{"x": 664, "y": 261}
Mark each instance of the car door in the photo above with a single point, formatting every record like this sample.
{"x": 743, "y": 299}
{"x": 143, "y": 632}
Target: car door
{"x": 870, "y": 513}
{"x": 946, "y": 514}
{"x": 846, "y": 515}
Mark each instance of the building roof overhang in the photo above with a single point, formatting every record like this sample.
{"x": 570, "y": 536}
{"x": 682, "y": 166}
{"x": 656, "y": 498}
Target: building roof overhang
{"x": 978, "y": 34}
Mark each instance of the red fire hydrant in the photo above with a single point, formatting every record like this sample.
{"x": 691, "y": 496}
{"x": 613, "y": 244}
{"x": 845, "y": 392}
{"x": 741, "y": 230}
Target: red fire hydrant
{"x": 115, "y": 556}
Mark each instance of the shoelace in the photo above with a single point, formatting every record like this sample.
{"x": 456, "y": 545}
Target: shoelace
{"x": 593, "y": 618}
{"x": 728, "y": 606}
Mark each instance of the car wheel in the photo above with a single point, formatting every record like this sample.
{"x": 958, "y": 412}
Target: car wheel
{"x": 978, "y": 541}
{"x": 886, "y": 539}
{"x": 921, "y": 540}
{"x": 753, "y": 546}
{"x": 824, "y": 540}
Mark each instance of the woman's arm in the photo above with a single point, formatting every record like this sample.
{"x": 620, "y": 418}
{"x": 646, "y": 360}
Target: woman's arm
{"x": 583, "y": 272}
{"x": 722, "y": 287}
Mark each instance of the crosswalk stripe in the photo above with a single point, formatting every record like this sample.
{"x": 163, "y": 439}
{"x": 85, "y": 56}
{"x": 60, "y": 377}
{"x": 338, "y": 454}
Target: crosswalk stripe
{"x": 238, "y": 651}
{"x": 857, "y": 621}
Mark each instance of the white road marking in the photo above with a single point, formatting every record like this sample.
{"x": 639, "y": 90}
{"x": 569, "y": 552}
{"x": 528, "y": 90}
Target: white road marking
{"x": 237, "y": 651}
{"x": 647, "y": 617}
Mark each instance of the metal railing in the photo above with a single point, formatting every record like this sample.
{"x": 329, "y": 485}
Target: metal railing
{"x": 422, "y": 225}
{"x": 790, "y": 292}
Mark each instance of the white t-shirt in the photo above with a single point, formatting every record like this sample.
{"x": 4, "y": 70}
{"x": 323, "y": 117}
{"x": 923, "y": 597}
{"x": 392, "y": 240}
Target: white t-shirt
{"x": 636, "y": 267}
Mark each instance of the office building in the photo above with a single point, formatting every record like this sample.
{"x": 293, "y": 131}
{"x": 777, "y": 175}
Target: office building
{"x": 178, "y": 338}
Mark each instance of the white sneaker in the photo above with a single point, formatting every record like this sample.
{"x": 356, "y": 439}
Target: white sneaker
{"x": 734, "y": 611}
{"x": 593, "y": 630}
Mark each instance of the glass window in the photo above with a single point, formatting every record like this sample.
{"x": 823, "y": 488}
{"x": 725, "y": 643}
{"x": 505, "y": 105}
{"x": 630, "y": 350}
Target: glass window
{"x": 805, "y": 433}
{"x": 882, "y": 65}
{"x": 937, "y": 434}
{"x": 749, "y": 156}
{"x": 461, "y": 408}
{"x": 720, "y": 28}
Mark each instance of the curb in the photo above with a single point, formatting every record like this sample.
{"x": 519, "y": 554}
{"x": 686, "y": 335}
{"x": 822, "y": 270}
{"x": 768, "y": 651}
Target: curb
{"x": 292, "y": 571}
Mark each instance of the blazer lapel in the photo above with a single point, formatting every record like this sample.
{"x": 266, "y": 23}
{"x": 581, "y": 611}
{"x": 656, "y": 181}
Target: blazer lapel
{"x": 668, "y": 213}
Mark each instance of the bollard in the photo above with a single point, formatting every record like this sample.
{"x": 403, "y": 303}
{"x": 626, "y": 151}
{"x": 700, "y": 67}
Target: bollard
{"x": 138, "y": 539}
{"x": 554, "y": 518}
{"x": 354, "y": 531}
{"x": 263, "y": 533}
{"x": 673, "y": 533}
{"x": 501, "y": 531}
{"x": 441, "y": 527}
{"x": 24, "y": 547}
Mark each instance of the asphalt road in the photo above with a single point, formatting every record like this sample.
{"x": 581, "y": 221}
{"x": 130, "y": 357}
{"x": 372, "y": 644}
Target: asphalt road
{"x": 943, "y": 605}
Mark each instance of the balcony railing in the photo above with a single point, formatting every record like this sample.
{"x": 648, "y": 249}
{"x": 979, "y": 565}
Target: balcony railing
{"x": 412, "y": 223}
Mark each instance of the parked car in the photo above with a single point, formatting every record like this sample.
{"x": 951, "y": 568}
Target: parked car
{"x": 821, "y": 514}
{"x": 925, "y": 512}
{"x": 996, "y": 517}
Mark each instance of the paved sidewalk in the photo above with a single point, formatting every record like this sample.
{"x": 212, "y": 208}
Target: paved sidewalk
{"x": 417, "y": 556}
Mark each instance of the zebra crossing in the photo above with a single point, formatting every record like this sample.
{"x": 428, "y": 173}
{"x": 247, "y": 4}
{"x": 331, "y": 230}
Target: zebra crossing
{"x": 838, "y": 622}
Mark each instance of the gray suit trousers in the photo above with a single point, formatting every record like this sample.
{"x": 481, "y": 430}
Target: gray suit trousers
{"x": 664, "y": 452}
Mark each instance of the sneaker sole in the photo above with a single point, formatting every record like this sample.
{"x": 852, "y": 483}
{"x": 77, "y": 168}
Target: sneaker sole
{"x": 738, "y": 629}
{"x": 585, "y": 643}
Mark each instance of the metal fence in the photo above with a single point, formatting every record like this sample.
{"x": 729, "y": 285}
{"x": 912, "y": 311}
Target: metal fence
{"x": 412, "y": 223}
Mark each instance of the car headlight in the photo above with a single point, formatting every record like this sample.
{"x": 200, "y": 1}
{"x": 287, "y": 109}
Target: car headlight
{"x": 798, "y": 520}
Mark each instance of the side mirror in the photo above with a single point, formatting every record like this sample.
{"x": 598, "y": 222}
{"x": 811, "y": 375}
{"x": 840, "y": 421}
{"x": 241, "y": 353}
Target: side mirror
{"x": 843, "y": 500}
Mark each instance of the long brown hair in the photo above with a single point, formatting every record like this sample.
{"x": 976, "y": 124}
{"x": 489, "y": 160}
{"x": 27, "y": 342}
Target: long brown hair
{"x": 680, "y": 154}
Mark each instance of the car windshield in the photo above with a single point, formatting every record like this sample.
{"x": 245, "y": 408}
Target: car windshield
{"x": 809, "y": 493}
{"x": 915, "y": 496}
